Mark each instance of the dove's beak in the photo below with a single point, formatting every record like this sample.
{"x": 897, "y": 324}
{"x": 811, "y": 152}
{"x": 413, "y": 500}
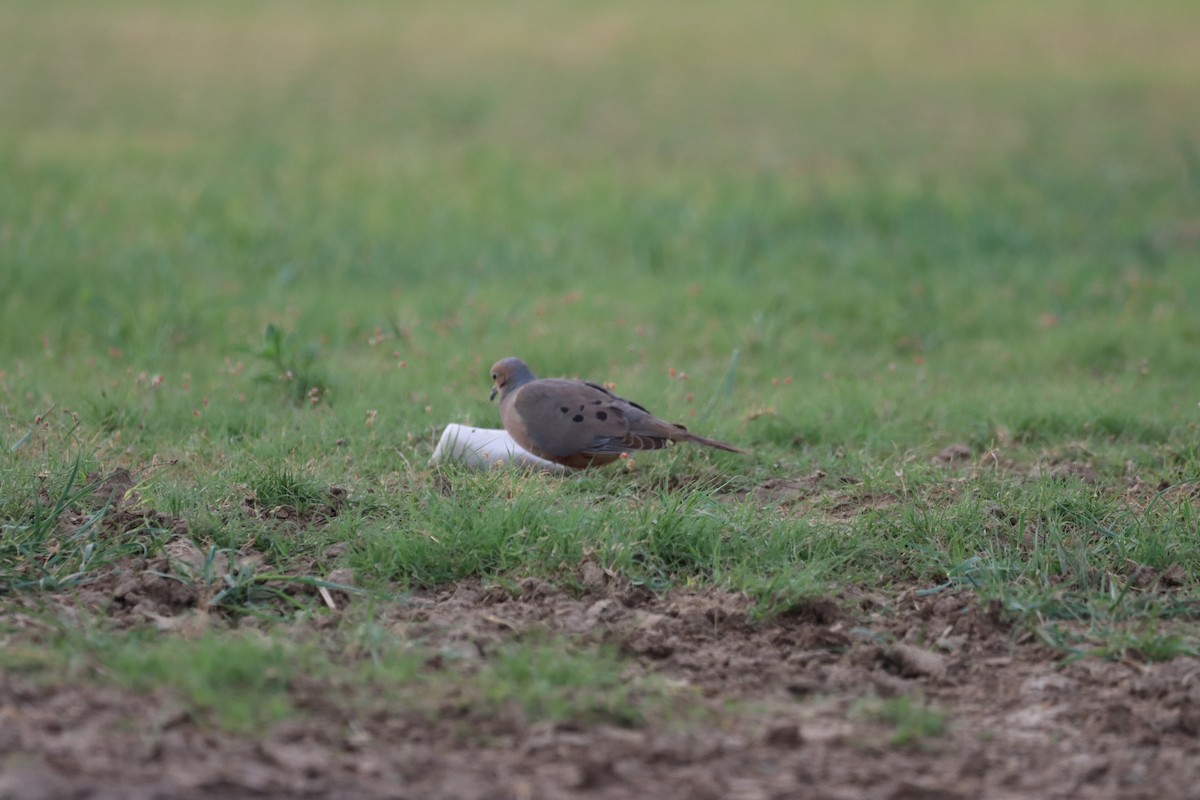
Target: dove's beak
{"x": 492, "y": 396}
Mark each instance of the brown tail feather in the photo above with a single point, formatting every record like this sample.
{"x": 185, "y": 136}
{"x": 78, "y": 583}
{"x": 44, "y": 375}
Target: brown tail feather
{"x": 641, "y": 441}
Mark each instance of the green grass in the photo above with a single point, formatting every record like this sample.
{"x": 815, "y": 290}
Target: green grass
{"x": 240, "y": 682}
{"x": 548, "y": 682}
{"x": 913, "y": 721}
{"x": 254, "y": 252}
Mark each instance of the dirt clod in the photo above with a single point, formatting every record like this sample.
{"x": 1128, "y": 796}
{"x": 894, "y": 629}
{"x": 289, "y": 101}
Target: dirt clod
{"x": 953, "y": 452}
{"x": 910, "y": 661}
{"x": 782, "y": 490}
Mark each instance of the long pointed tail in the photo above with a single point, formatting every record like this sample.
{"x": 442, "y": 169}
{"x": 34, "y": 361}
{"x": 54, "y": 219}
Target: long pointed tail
{"x": 704, "y": 440}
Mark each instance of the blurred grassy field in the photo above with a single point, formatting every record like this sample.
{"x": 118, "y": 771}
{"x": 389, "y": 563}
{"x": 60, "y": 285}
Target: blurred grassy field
{"x": 916, "y": 224}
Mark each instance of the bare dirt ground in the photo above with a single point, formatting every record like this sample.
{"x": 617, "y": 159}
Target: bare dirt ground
{"x": 778, "y": 716}
{"x": 778, "y": 704}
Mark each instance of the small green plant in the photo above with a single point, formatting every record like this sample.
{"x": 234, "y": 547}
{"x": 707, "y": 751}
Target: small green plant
{"x": 54, "y": 540}
{"x": 1147, "y": 645}
{"x": 912, "y": 719}
{"x": 292, "y": 366}
{"x": 275, "y": 486}
{"x": 555, "y": 682}
{"x": 244, "y": 587}
{"x": 109, "y": 414}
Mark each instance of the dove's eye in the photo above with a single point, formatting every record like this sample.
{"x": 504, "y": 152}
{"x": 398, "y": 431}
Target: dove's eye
{"x": 493, "y": 376}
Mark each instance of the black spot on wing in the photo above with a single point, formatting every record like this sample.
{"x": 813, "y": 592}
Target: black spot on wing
{"x": 578, "y": 418}
{"x": 601, "y": 415}
{"x": 564, "y": 409}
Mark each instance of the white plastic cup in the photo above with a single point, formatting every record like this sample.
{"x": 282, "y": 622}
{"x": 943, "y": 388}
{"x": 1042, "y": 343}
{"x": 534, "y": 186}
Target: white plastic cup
{"x": 487, "y": 448}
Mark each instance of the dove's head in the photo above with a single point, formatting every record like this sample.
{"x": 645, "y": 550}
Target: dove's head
{"x": 508, "y": 374}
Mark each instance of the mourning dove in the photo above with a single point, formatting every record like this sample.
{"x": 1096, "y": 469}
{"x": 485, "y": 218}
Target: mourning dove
{"x": 576, "y": 423}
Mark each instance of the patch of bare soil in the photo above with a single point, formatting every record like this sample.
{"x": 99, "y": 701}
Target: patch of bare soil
{"x": 838, "y": 499}
{"x": 783, "y": 717}
{"x": 307, "y": 516}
